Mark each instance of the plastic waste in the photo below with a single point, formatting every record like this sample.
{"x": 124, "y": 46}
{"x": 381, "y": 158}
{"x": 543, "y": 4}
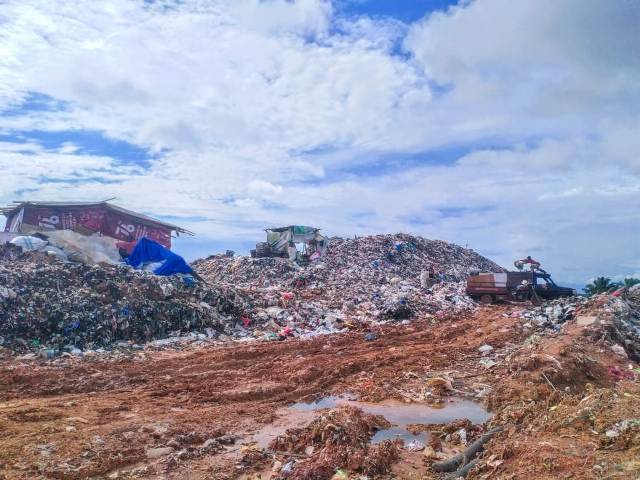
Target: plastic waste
{"x": 414, "y": 446}
{"x": 29, "y": 243}
{"x": 56, "y": 252}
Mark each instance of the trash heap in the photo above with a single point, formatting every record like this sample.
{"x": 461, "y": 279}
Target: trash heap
{"x": 553, "y": 313}
{"x": 52, "y": 305}
{"x": 618, "y": 312}
{"x": 625, "y": 328}
{"x": 373, "y": 278}
{"x": 402, "y": 255}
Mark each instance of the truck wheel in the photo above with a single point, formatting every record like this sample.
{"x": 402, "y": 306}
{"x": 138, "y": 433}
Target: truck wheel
{"x": 486, "y": 299}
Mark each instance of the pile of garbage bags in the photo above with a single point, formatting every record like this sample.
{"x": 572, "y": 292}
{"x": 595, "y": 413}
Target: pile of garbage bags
{"x": 48, "y": 303}
{"x": 372, "y": 278}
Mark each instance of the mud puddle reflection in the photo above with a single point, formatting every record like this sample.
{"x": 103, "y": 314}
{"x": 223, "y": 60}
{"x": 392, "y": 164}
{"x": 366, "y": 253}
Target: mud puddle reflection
{"x": 399, "y": 414}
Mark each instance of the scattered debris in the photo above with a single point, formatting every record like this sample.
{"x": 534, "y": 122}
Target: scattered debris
{"x": 459, "y": 461}
{"x": 340, "y": 439}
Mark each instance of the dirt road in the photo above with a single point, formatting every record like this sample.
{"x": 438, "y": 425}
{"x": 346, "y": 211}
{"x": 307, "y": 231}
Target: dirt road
{"x": 129, "y": 418}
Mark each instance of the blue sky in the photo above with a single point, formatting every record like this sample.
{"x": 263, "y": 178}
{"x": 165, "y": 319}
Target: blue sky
{"x": 494, "y": 124}
{"x": 406, "y": 11}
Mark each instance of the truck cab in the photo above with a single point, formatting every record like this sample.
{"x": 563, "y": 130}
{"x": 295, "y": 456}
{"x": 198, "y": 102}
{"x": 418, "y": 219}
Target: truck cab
{"x": 546, "y": 288}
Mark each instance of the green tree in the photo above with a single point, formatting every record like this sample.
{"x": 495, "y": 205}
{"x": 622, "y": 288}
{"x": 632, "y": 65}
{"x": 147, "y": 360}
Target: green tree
{"x": 630, "y": 282}
{"x": 600, "y": 285}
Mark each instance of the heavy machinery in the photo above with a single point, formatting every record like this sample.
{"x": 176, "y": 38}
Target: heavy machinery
{"x": 535, "y": 285}
{"x": 280, "y": 240}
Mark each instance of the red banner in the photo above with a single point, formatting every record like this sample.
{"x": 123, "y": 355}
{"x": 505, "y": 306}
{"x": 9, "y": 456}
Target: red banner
{"x": 127, "y": 228}
{"x": 101, "y": 219}
{"x": 64, "y": 218}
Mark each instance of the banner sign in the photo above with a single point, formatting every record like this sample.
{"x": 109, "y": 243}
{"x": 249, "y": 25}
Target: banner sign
{"x": 87, "y": 219}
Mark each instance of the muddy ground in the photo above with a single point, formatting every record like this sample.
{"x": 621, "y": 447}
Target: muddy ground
{"x": 562, "y": 398}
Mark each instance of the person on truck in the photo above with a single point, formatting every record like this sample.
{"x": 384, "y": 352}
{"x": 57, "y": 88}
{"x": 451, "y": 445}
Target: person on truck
{"x": 519, "y": 264}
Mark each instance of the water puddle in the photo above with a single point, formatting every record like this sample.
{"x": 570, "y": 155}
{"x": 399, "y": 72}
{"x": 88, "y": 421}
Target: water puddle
{"x": 399, "y": 414}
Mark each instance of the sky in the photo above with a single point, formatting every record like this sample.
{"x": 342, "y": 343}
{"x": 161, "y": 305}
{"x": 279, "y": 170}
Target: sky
{"x": 510, "y": 127}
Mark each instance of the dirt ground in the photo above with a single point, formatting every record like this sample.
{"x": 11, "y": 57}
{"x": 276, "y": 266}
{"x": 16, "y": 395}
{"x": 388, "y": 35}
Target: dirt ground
{"x": 193, "y": 414}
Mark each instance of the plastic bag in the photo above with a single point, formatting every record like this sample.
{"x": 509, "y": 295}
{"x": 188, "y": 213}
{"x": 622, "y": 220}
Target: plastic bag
{"x": 89, "y": 249}
{"x": 28, "y": 243}
{"x": 56, "y": 252}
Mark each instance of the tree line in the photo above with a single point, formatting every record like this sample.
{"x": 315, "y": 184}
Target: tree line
{"x": 605, "y": 284}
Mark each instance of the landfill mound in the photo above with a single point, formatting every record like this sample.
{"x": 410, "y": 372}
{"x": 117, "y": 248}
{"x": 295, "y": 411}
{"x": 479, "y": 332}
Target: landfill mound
{"x": 357, "y": 261}
{"x": 72, "y": 306}
{"x": 52, "y": 306}
{"x": 402, "y": 255}
{"x": 361, "y": 279}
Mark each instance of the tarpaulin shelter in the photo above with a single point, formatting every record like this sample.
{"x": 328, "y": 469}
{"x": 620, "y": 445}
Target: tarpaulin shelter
{"x": 102, "y": 218}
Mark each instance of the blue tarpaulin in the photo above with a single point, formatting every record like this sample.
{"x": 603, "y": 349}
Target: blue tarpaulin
{"x": 149, "y": 251}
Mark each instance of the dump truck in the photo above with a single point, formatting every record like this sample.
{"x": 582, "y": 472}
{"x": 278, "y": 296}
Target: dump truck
{"x": 279, "y": 240}
{"x": 535, "y": 285}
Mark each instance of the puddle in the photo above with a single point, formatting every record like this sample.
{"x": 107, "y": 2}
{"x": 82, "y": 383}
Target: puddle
{"x": 287, "y": 418}
{"x": 401, "y": 414}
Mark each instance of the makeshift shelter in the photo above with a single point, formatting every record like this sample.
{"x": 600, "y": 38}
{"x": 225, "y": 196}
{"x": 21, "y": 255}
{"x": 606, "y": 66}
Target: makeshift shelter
{"x": 86, "y": 218}
{"x": 279, "y": 238}
{"x": 279, "y": 241}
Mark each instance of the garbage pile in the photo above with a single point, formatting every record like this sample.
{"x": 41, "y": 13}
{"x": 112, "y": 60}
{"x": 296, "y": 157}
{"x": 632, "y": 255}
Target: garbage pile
{"x": 374, "y": 278}
{"x": 619, "y": 312}
{"x": 50, "y": 305}
{"x": 404, "y": 256}
{"x": 626, "y": 320}
{"x": 553, "y": 313}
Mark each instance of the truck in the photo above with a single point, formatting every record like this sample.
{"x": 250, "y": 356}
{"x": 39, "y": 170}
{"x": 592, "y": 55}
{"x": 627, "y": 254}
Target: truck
{"x": 534, "y": 285}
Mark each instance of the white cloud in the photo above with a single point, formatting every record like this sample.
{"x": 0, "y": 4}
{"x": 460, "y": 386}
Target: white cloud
{"x": 264, "y": 189}
{"x": 522, "y": 68}
{"x": 265, "y": 111}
